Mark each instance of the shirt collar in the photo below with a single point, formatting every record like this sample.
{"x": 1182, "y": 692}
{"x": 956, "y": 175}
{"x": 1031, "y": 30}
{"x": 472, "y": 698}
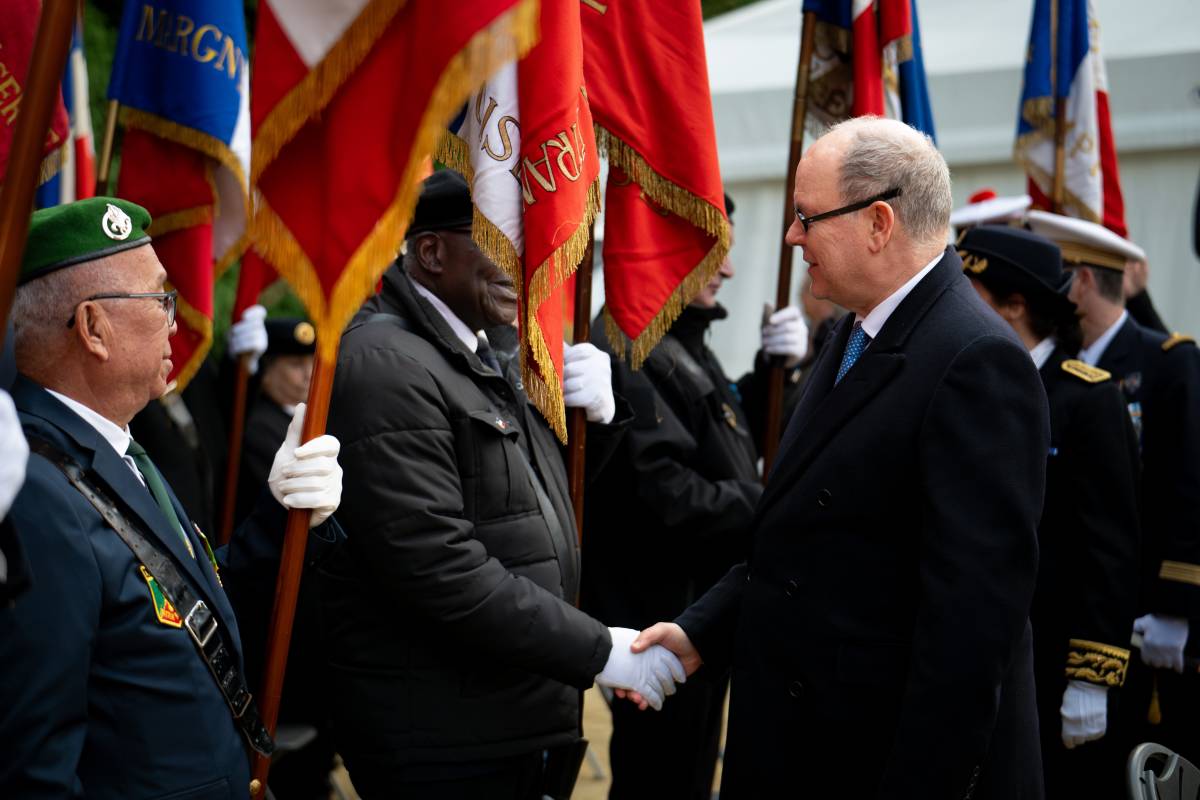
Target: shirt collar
{"x": 117, "y": 437}
{"x": 1041, "y": 351}
{"x": 1092, "y": 355}
{"x": 873, "y": 323}
{"x": 464, "y": 333}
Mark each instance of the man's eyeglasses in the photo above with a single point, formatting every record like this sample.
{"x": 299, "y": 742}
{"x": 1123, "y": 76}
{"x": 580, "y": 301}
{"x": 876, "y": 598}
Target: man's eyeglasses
{"x": 165, "y": 299}
{"x": 837, "y": 212}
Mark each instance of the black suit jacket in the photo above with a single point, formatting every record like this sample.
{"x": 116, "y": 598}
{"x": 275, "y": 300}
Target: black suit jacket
{"x": 879, "y": 632}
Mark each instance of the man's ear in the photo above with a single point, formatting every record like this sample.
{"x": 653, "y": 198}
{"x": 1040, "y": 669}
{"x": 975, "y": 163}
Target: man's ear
{"x": 430, "y": 252}
{"x": 93, "y": 329}
{"x": 883, "y": 222}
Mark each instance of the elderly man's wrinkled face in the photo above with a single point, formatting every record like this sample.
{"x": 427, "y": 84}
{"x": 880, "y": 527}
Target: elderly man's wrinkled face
{"x": 479, "y": 292}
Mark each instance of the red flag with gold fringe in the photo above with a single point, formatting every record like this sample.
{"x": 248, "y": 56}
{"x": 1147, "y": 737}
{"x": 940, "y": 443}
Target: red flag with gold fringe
{"x": 348, "y": 101}
{"x": 18, "y": 24}
{"x": 666, "y": 232}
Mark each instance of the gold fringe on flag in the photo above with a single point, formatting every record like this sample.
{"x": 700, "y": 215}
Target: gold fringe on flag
{"x": 201, "y": 324}
{"x": 178, "y": 220}
{"x": 685, "y": 204}
{"x": 52, "y": 164}
{"x": 507, "y": 38}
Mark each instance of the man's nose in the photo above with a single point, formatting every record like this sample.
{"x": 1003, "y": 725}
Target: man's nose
{"x": 727, "y": 268}
{"x": 796, "y": 234}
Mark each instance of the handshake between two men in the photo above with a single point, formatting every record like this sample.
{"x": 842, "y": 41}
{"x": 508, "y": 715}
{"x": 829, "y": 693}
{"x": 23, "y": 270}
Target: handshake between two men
{"x": 645, "y": 667}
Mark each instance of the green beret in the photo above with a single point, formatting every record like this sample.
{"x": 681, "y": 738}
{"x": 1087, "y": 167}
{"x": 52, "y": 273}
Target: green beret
{"x": 70, "y": 234}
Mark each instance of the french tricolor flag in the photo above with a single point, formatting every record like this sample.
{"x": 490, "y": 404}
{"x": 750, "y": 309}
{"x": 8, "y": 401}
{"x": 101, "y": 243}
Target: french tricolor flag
{"x": 1064, "y": 63}
{"x": 77, "y": 178}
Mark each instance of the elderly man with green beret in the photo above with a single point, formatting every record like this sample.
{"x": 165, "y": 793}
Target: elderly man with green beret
{"x": 123, "y": 672}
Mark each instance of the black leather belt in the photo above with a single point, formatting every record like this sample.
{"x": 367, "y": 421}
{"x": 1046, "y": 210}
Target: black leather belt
{"x": 201, "y": 624}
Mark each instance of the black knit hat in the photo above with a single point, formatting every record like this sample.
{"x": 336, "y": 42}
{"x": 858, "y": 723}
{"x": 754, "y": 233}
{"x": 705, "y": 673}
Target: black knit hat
{"x": 444, "y": 204}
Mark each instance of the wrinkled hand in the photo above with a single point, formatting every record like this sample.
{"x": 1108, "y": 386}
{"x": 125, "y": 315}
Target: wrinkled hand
{"x": 14, "y": 453}
{"x": 672, "y": 637}
{"x": 248, "y": 336}
{"x": 308, "y": 475}
{"x": 587, "y": 381}
{"x": 651, "y": 672}
{"x": 1084, "y": 713}
{"x": 1135, "y": 277}
{"x": 784, "y": 334}
{"x": 1163, "y": 639}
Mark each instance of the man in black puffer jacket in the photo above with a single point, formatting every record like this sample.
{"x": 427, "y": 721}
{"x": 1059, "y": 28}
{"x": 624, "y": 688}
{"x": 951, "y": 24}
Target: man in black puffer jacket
{"x": 456, "y": 654}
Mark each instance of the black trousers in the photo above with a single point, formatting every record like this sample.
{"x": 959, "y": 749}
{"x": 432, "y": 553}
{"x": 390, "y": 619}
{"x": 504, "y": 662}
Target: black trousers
{"x": 517, "y": 778}
{"x": 1095, "y": 770}
{"x": 670, "y": 753}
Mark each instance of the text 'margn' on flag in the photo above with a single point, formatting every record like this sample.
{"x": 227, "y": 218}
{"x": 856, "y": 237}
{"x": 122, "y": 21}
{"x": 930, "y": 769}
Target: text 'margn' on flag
{"x": 1064, "y": 62}
{"x": 182, "y": 78}
{"x": 666, "y": 232}
{"x": 76, "y": 179}
{"x": 18, "y": 25}
{"x": 867, "y": 60}
{"x": 349, "y": 101}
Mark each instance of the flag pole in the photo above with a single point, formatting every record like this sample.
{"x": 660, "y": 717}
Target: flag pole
{"x": 577, "y": 417}
{"x": 106, "y": 148}
{"x": 51, "y": 43}
{"x": 783, "y": 287}
{"x": 1058, "y": 187}
{"x": 291, "y": 563}
{"x": 233, "y": 459}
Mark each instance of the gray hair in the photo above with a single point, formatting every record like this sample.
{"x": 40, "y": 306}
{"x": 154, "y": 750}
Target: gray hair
{"x": 882, "y": 154}
{"x": 41, "y": 308}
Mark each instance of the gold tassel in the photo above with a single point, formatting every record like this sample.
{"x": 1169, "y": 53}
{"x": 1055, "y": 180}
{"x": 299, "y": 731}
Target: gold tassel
{"x": 1154, "y": 713}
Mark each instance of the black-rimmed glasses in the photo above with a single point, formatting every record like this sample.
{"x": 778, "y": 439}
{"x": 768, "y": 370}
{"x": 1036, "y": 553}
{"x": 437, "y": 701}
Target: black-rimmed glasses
{"x": 166, "y": 299}
{"x": 837, "y": 212}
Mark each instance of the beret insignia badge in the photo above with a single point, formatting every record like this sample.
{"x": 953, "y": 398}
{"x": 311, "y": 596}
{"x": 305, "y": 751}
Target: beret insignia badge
{"x": 116, "y": 224}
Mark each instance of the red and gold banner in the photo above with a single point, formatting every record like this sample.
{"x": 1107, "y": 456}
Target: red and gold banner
{"x": 666, "y": 233}
{"x": 18, "y": 25}
{"x": 348, "y": 101}
{"x": 559, "y": 172}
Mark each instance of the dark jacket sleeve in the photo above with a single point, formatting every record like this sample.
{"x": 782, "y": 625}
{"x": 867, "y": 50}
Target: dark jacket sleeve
{"x": 1104, "y": 475}
{"x": 46, "y": 642}
{"x": 403, "y": 510}
{"x": 711, "y": 621}
{"x": 984, "y": 481}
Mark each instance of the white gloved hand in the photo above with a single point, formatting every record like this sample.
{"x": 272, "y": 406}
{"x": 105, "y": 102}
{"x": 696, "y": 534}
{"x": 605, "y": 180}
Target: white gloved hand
{"x": 1163, "y": 639}
{"x": 652, "y": 673}
{"x": 308, "y": 475}
{"x": 14, "y": 453}
{"x": 587, "y": 381}
{"x": 784, "y": 334}
{"x": 1084, "y": 713}
{"x": 249, "y": 336}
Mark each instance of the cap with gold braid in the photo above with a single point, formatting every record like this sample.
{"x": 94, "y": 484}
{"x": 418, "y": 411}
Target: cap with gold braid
{"x": 75, "y": 233}
{"x": 1083, "y": 242}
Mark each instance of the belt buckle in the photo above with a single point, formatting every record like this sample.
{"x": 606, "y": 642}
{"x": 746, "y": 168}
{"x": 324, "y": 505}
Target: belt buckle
{"x": 200, "y": 623}
{"x": 239, "y": 709}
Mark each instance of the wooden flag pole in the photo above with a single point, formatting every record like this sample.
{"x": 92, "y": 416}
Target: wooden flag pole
{"x": 783, "y": 287}
{"x": 291, "y": 563}
{"x": 233, "y": 460}
{"x": 106, "y": 148}
{"x": 1058, "y": 190}
{"x": 51, "y": 43}
{"x": 577, "y": 417}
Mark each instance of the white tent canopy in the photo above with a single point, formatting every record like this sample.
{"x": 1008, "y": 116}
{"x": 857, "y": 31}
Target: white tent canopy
{"x": 974, "y": 52}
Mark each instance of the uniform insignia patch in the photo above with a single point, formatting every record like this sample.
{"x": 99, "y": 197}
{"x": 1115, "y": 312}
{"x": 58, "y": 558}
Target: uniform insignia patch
{"x": 730, "y": 417}
{"x": 1084, "y": 371}
{"x": 163, "y": 610}
{"x": 305, "y": 333}
{"x": 116, "y": 224}
{"x": 1177, "y": 338}
{"x": 1131, "y": 383}
{"x": 212, "y": 557}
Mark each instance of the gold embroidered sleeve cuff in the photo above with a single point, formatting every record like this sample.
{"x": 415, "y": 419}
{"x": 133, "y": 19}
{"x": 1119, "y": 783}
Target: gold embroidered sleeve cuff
{"x": 1097, "y": 663}
{"x": 1180, "y": 572}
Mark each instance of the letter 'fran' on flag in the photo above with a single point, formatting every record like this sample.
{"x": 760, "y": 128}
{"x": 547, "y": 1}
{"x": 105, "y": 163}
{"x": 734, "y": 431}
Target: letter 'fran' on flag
{"x": 1064, "y": 71}
{"x": 182, "y": 78}
{"x": 666, "y": 232}
{"x": 349, "y": 100}
{"x": 18, "y": 24}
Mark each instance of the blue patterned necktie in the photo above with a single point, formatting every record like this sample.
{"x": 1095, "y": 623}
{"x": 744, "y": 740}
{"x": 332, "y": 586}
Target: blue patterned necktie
{"x": 854, "y": 348}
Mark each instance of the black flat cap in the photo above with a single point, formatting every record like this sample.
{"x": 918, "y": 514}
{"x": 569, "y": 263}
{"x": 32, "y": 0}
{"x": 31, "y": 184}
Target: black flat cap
{"x": 1007, "y": 259}
{"x": 290, "y": 336}
{"x": 444, "y": 204}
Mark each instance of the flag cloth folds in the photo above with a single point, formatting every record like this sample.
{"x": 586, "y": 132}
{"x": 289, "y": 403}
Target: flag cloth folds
{"x": 867, "y": 61}
{"x": 76, "y": 179}
{"x": 1064, "y": 63}
{"x": 18, "y": 25}
{"x": 349, "y": 101}
{"x": 666, "y": 233}
{"x": 181, "y": 76}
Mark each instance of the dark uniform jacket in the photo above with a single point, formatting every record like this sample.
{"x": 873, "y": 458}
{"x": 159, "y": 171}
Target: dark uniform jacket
{"x": 98, "y": 698}
{"x": 449, "y": 616}
{"x": 266, "y": 427}
{"x": 1160, "y": 378}
{"x": 879, "y": 632}
{"x": 681, "y": 489}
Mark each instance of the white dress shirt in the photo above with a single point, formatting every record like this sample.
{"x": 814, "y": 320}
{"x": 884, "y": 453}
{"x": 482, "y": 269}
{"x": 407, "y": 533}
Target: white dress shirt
{"x": 873, "y": 323}
{"x": 1092, "y": 355}
{"x": 118, "y": 438}
{"x": 1041, "y": 351}
{"x": 460, "y": 328}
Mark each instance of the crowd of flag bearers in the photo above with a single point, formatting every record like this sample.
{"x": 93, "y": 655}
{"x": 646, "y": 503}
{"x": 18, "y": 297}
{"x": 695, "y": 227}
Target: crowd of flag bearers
{"x": 973, "y": 568}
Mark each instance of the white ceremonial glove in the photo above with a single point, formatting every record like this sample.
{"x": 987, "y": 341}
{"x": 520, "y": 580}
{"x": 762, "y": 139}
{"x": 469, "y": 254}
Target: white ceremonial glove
{"x": 652, "y": 673}
{"x": 14, "y": 453}
{"x": 784, "y": 334}
{"x": 587, "y": 381}
{"x": 249, "y": 335}
{"x": 1163, "y": 639}
{"x": 308, "y": 475}
{"x": 1084, "y": 713}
